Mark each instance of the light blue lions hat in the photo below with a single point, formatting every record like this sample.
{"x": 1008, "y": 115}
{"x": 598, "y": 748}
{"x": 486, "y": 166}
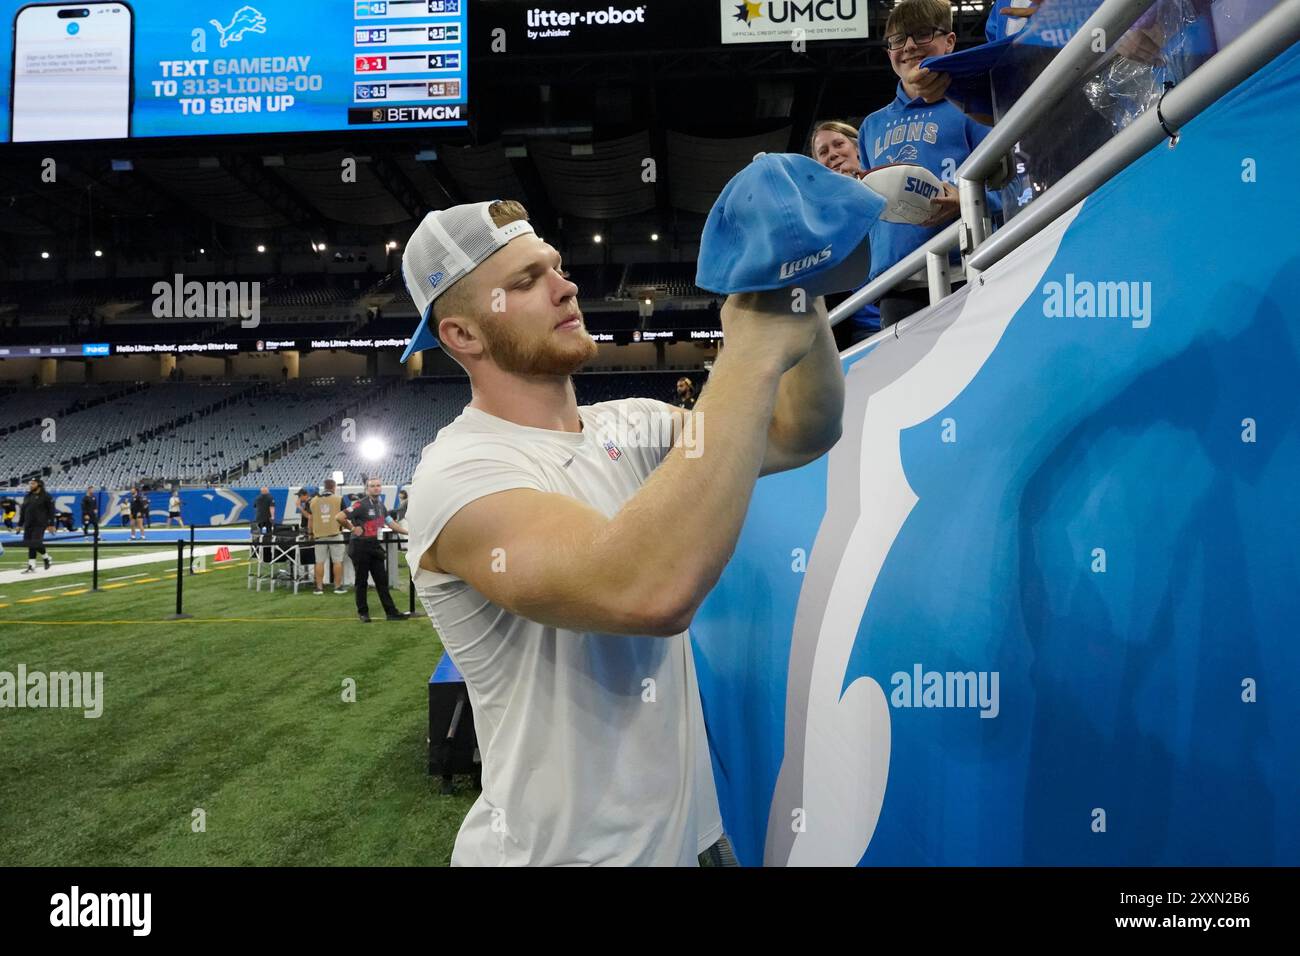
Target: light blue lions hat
{"x": 784, "y": 221}
{"x": 446, "y": 246}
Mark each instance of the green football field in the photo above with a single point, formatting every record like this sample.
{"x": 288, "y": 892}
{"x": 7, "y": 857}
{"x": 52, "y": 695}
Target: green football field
{"x": 238, "y": 711}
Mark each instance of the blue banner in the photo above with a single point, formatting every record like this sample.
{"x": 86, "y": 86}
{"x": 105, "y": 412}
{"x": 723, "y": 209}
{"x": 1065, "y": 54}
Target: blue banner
{"x": 1039, "y": 604}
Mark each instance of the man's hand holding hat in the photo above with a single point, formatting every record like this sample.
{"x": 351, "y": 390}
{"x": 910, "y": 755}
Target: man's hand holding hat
{"x": 765, "y": 328}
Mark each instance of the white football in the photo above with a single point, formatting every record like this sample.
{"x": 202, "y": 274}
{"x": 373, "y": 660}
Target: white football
{"x": 907, "y": 190}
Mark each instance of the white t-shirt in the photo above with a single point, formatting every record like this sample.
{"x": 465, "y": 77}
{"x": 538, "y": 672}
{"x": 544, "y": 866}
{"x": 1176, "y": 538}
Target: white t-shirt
{"x": 174, "y": 504}
{"x": 585, "y": 761}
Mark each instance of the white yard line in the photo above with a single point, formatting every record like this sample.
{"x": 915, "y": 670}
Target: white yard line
{"x": 127, "y": 577}
{"x": 108, "y": 564}
{"x": 60, "y": 587}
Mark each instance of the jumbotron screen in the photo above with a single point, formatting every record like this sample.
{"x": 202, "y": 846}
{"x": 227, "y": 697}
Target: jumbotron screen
{"x": 108, "y": 69}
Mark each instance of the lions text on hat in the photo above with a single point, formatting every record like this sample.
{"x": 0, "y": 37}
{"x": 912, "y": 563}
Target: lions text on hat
{"x": 795, "y": 266}
{"x": 761, "y": 231}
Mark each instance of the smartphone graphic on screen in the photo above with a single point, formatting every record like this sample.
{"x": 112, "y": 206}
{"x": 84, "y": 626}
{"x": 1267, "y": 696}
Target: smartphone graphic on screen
{"x": 72, "y": 71}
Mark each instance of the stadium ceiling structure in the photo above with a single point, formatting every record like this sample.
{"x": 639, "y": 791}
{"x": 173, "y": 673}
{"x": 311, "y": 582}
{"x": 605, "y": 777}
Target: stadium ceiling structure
{"x": 568, "y": 136}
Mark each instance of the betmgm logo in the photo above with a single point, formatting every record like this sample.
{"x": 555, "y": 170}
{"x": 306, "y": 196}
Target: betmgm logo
{"x": 795, "y": 266}
{"x": 1083, "y": 299}
{"x": 208, "y": 300}
{"x": 416, "y": 114}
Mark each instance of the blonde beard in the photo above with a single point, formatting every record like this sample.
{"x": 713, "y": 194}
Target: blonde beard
{"x": 511, "y": 354}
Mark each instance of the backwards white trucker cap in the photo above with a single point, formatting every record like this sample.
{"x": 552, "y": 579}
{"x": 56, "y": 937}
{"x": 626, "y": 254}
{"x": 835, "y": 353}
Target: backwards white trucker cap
{"x": 447, "y": 246}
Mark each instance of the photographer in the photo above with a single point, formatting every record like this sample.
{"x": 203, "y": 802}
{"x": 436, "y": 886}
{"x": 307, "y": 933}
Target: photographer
{"x": 326, "y": 511}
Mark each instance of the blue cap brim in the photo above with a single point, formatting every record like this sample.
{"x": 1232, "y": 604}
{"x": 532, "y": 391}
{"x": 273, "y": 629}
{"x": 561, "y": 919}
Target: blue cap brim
{"x": 975, "y": 61}
{"x": 423, "y": 337}
{"x": 969, "y": 70}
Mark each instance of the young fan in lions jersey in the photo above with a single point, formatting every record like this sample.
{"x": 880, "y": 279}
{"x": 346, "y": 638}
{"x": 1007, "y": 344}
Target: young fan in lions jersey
{"x": 922, "y": 128}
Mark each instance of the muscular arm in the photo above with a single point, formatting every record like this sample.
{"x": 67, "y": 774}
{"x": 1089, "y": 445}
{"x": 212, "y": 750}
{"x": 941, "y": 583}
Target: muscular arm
{"x": 558, "y": 561}
{"x": 809, "y": 403}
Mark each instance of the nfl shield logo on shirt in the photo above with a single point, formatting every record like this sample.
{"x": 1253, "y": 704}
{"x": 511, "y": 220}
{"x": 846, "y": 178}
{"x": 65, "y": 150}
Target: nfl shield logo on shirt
{"x": 612, "y": 449}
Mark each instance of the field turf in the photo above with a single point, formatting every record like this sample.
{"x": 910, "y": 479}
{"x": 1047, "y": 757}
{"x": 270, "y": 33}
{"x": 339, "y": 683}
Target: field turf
{"x": 237, "y": 711}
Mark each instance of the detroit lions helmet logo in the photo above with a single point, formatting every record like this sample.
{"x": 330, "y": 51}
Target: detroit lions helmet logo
{"x": 247, "y": 20}
{"x": 907, "y": 154}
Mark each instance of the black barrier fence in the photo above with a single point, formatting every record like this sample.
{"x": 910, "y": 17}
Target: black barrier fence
{"x": 252, "y": 542}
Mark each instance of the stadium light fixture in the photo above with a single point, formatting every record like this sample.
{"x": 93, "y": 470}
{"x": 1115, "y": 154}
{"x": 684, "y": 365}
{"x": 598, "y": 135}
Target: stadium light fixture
{"x": 372, "y": 449}
{"x": 202, "y": 251}
{"x": 390, "y": 245}
{"x": 261, "y": 248}
{"x": 338, "y": 477}
{"x": 654, "y": 237}
{"x": 597, "y": 238}
{"x": 45, "y": 255}
{"x": 99, "y": 253}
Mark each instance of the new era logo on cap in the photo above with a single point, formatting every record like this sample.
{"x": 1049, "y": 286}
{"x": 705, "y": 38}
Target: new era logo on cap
{"x": 436, "y": 278}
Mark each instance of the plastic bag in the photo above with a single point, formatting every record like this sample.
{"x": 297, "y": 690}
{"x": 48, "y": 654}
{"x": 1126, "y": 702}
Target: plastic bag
{"x": 1127, "y": 86}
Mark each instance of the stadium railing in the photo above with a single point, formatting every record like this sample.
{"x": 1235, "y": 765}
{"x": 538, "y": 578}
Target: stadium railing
{"x": 186, "y": 566}
{"x": 972, "y": 233}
